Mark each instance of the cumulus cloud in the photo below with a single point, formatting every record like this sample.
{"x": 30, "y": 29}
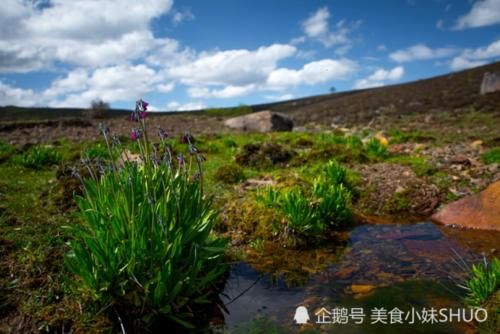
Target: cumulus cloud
{"x": 80, "y": 32}
{"x": 380, "y": 77}
{"x": 476, "y": 57}
{"x": 232, "y": 67}
{"x": 17, "y": 96}
{"x": 483, "y": 13}
{"x": 421, "y": 52}
{"x": 224, "y": 93}
{"x": 311, "y": 73}
{"x": 317, "y": 27}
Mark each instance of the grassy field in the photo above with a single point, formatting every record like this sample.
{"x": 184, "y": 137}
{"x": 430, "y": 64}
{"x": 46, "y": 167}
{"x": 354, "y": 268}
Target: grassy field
{"x": 36, "y": 195}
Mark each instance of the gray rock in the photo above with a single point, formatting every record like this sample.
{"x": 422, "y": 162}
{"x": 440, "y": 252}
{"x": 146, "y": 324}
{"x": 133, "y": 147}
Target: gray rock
{"x": 263, "y": 121}
{"x": 490, "y": 83}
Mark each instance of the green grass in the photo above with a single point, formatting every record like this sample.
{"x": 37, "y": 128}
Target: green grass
{"x": 491, "y": 156}
{"x": 6, "y": 151}
{"x": 232, "y": 112}
{"x": 39, "y": 157}
{"x": 398, "y": 136}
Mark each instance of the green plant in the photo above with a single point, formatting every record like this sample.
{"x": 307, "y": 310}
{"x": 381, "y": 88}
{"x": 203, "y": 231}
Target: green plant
{"x": 375, "y": 149}
{"x": 6, "y": 151}
{"x": 483, "y": 282}
{"x": 491, "y": 156}
{"x": 97, "y": 151}
{"x": 145, "y": 244}
{"x": 228, "y": 142}
{"x": 300, "y": 214}
{"x": 39, "y": 157}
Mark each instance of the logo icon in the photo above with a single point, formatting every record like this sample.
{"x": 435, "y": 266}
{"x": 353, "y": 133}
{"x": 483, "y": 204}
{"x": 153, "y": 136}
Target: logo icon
{"x": 301, "y": 315}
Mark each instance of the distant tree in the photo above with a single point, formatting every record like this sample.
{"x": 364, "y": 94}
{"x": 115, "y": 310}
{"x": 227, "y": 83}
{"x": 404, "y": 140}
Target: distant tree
{"x": 98, "y": 109}
{"x": 333, "y": 89}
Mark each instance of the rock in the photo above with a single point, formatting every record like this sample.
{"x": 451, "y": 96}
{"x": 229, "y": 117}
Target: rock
{"x": 480, "y": 211}
{"x": 362, "y": 289}
{"x": 490, "y": 83}
{"x": 460, "y": 160}
{"x": 264, "y": 121}
{"x": 476, "y": 144}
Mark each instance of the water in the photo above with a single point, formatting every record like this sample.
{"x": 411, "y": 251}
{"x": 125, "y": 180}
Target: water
{"x": 405, "y": 266}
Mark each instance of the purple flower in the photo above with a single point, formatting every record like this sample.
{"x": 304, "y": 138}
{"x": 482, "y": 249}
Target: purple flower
{"x": 135, "y": 134}
{"x": 162, "y": 133}
{"x": 181, "y": 160}
{"x": 143, "y": 114}
{"x": 145, "y": 105}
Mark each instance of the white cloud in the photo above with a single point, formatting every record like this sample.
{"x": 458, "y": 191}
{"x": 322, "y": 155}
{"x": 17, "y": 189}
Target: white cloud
{"x": 17, "y": 96}
{"x": 476, "y": 57}
{"x": 317, "y": 27}
{"x": 381, "y": 47}
{"x": 80, "y": 32}
{"x": 112, "y": 84}
{"x": 176, "y": 106}
{"x": 232, "y": 67}
{"x": 483, "y": 13}
{"x": 311, "y": 73}
{"x": 420, "y": 52}
{"x": 181, "y": 16}
{"x": 380, "y": 77}
{"x": 224, "y": 93}
{"x": 165, "y": 88}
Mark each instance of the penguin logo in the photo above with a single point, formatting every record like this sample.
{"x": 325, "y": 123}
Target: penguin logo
{"x": 301, "y": 315}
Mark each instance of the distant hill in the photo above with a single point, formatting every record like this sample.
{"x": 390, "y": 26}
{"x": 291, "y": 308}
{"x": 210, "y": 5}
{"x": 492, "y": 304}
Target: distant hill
{"x": 449, "y": 92}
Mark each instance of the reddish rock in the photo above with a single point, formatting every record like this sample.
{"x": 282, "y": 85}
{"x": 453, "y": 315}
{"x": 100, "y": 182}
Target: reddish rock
{"x": 480, "y": 211}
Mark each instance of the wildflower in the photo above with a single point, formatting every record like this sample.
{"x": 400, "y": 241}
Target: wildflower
{"x": 104, "y": 129}
{"x": 193, "y": 150}
{"x": 181, "y": 160}
{"x": 187, "y": 138}
{"x": 162, "y": 133}
{"x": 135, "y": 134}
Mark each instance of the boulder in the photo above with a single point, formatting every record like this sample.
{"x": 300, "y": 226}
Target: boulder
{"x": 490, "y": 83}
{"x": 479, "y": 211}
{"x": 263, "y": 121}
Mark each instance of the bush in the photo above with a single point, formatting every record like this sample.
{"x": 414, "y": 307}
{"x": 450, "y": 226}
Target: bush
{"x": 145, "y": 244}
{"x": 98, "y": 109}
{"x": 229, "y": 174}
{"x": 39, "y": 157}
{"x": 484, "y": 281}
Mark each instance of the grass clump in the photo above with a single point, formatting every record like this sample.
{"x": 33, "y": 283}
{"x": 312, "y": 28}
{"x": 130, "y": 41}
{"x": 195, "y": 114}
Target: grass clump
{"x": 483, "y": 282}
{"x": 419, "y": 165}
{"x": 491, "y": 156}
{"x": 313, "y": 211}
{"x": 39, "y": 157}
{"x": 376, "y": 150}
{"x": 145, "y": 249}
{"x": 229, "y": 174}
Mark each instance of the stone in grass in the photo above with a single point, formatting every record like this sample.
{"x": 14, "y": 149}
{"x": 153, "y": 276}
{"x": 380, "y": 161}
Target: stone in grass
{"x": 479, "y": 211}
{"x": 264, "y": 121}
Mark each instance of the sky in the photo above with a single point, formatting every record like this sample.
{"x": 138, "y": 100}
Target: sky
{"x": 195, "y": 54}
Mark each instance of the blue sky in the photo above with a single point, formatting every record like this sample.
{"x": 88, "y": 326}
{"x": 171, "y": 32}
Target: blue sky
{"x": 182, "y": 55}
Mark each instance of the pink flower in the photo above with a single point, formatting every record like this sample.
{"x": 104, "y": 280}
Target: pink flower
{"x": 135, "y": 134}
{"x": 145, "y": 105}
{"x": 143, "y": 114}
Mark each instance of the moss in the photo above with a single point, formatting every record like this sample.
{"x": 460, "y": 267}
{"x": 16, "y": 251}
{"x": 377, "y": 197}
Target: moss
{"x": 397, "y": 203}
{"x": 419, "y": 165}
{"x": 229, "y": 174}
{"x": 264, "y": 155}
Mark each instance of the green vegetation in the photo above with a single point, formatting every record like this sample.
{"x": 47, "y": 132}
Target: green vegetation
{"x": 376, "y": 150}
{"x": 145, "y": 244}
{"x": 229, "y": 174}
{"x": 398, "y": 136}
{"x": 6, "y": 151}
{"x": 419, "y": 164}
{"x": 484, "y": 281}
{"x": 311, "y": 212}
{"x": 491, "y": 156}
{"x": 39, "y": 157}
{"x": 230, "y": 112}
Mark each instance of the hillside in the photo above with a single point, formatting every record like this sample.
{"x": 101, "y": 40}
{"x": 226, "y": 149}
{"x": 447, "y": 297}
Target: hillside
{"x": 443, "y": 99}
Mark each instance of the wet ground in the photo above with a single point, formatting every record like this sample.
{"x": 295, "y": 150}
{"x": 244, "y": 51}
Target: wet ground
{"x": 408, "y": 267}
